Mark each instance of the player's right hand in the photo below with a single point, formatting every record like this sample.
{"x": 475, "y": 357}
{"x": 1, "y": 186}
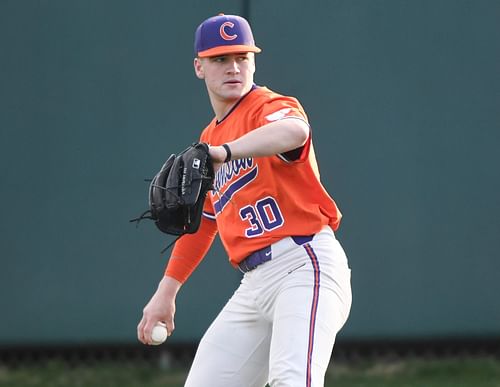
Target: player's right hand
{"x": 218, "y": 155}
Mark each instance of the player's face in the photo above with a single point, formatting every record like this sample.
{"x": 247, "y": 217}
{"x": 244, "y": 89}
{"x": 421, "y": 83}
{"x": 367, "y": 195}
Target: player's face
{"x": 228, "y": 77}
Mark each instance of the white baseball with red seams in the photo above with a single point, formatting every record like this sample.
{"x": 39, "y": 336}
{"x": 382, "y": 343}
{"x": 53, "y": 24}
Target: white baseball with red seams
{"x": 159, "y": 334}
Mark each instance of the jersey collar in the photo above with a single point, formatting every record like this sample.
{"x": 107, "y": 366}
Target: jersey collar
{"x": 217, "y": 122}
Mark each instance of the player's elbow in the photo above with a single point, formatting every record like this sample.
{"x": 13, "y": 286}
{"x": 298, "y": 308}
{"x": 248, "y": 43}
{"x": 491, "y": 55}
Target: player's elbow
{"x": 299, "y": 132}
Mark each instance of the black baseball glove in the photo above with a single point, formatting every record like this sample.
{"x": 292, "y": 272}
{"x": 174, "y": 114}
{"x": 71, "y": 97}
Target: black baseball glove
{"x": 178, "y": 191}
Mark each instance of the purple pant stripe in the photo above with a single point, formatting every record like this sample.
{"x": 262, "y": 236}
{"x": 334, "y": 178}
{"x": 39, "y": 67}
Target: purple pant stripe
{"x": 314, "y": 309}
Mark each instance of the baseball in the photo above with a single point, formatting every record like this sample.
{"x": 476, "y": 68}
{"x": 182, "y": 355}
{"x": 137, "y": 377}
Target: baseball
{"x": 159, "y": 333}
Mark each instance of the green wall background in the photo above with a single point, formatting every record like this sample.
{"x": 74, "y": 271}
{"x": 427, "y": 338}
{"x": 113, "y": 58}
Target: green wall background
{"x": 403, "y": 98}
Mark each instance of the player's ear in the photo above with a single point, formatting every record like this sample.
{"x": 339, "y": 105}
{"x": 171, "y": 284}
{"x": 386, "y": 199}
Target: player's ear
{"x": 198, "y": 68}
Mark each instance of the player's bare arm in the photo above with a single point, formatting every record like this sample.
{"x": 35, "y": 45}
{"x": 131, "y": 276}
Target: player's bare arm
{"x": 161, "y": 307}
{"x": 271, "y": 139}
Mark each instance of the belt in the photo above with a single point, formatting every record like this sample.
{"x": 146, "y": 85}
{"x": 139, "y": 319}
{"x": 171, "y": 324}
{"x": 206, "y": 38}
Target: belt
{"x": 263, "y": 255}
{"x": 255, "y": 259}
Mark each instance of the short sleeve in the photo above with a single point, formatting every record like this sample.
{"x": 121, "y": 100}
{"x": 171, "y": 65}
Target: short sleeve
{"x": 286, "y": 108}
{"x": 280, "y": 108}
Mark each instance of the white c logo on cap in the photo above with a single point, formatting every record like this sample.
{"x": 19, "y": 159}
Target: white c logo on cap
{"x": 224, "y": 34}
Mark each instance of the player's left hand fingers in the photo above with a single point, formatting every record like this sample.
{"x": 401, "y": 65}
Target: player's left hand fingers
{"x": 140, "y": 331}
{"x": 144, "y": 330}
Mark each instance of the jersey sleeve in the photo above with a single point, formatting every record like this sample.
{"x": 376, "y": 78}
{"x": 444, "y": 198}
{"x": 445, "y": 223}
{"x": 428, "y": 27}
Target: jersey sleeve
{"x": 282, "y": 107}
{"x": 190, "y": 250}
{"x": 286, "y": 108}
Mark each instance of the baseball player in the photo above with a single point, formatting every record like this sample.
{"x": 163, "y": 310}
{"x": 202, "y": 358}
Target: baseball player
{"x": 276, "y": 222}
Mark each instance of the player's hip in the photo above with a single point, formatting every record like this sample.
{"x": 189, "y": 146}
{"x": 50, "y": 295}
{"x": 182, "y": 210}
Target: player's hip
{"x": 322, "y": 247}
{"x": 314, "y": 266}
{"x": 305, "y": 260}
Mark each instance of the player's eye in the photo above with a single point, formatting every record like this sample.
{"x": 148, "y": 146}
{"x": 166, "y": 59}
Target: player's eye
{"x": 219, "y": 59}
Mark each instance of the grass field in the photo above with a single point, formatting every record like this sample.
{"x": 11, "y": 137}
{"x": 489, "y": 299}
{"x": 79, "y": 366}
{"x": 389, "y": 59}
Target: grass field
{"x": 469, "y": 372}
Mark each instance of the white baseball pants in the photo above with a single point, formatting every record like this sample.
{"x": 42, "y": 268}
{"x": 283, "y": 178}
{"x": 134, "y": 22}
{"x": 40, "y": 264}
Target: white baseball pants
{"x": 280, "y": 325}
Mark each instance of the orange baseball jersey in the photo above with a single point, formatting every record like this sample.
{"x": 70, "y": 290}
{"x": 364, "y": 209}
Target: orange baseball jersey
{"x": 258, "y": 201}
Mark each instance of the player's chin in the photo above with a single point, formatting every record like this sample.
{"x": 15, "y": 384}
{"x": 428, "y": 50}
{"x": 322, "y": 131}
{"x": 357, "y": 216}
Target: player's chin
{"x": 233, "y": 90}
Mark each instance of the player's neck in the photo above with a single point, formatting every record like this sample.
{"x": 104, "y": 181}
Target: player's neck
{"x": 222, "y": 107}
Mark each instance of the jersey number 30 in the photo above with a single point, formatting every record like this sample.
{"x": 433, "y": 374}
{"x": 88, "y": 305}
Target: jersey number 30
{"x": 265, "y": 215}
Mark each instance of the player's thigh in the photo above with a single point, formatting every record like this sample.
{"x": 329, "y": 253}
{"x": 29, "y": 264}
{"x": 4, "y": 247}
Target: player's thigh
{"x": 308, "y": 314}
{"x": 235, "y": 349}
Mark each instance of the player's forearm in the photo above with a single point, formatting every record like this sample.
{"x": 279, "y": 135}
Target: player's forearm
{"x": 190, "y": 250}
{"x": 169, "y": 287}
{"x": 273, "y": 138}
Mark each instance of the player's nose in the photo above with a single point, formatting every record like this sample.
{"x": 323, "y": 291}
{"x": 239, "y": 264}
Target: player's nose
{"x": 233, "y": 67}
